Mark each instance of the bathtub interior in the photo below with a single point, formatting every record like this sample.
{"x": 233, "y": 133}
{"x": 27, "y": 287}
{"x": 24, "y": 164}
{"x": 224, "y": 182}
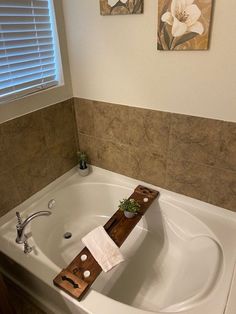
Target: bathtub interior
{"x": 163, "y": 269}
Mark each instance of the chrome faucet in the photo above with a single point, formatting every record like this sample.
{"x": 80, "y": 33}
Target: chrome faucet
{"x": 20, "y": 228}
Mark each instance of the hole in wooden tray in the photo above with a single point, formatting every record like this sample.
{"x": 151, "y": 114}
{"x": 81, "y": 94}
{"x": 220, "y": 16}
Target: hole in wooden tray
{"x": 71, "y": 281}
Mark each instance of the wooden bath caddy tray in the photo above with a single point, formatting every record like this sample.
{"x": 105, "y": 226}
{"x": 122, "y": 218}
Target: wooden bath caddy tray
{"x": 73, "y": 279}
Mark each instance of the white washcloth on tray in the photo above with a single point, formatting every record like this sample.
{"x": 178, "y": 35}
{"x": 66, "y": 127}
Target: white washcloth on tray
{"x": 103, "y": 248}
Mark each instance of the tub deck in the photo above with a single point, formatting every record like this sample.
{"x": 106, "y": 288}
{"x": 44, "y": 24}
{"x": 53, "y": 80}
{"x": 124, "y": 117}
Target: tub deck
{"x": 186, "y": 246}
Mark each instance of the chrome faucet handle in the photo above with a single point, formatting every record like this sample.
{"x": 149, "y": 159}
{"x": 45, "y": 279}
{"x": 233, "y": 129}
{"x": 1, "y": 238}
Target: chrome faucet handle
{"x": 27, "y": 248}
{"x": 19, "y": 219}
{"x": 19, "y": 228}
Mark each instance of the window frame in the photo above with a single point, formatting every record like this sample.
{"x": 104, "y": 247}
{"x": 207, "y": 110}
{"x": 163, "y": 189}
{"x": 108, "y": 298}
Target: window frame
{"x": 59, "y": 81}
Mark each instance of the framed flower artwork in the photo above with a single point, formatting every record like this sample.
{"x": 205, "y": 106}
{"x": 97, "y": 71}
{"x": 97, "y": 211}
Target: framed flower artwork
{"x": 184, "y": 24}
{"x": 120, "y": 7}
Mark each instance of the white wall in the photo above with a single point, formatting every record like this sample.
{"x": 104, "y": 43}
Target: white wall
{"x": 114, "y": 59}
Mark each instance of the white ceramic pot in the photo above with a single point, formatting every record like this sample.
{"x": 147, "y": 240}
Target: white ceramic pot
{"x": 83, "y": 172}
{"x": 129, "y": 214}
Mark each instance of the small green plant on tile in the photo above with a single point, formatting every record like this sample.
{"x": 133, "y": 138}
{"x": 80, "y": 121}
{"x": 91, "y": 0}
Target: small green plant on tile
{"x": 130, "y": 207}
{"x": 83, "y": 166}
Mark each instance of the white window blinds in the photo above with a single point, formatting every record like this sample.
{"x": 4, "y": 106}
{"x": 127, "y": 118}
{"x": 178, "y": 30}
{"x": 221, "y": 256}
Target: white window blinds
{"x": 27, "y": 49}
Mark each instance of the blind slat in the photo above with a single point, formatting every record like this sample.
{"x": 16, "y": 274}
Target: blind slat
{"x": 15, "y": 80}
{"x": 20, "y": 24}
{"x": 41, "y": 83}
{"x": 24, "y": 27}
{"x": 25, "y": 64}
{"x": 20, "y": 72}
{"x": 25, "y": 57}
{"x": 23, "y": 3}
{"x": 21, "y": 19}
{"x": 23, "y": 31}
{"x": 24, "y": 39}
{"x": 23, "y": 11}
{"x": 27, "y": 50}
{"x": 2, "y": 6}
{"x": 21, "y": 47}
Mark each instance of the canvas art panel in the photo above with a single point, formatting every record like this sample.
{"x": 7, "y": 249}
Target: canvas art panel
{"x": 184, "y": 24}
{"x": 121, "y": 7}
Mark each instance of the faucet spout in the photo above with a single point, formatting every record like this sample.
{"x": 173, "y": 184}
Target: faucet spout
{"x": 20, "y": 227}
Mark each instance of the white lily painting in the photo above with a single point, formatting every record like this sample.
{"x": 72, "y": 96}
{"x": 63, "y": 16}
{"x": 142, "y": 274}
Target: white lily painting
{"x": 120, "y": 7}
{"x": 184, "y": 24}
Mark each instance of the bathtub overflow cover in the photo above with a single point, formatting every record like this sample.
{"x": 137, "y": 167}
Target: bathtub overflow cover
{"x": 67, "y": 235}
{"x": 51, "y": 204}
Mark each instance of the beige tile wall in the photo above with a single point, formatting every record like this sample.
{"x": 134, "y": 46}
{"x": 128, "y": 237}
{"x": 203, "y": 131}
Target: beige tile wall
{"x": 189, "y": 155}
{"x": 34, "y": 150}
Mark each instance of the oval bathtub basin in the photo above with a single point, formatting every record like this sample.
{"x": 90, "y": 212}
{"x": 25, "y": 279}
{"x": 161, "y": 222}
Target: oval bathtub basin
{"x": 179, "y": 258}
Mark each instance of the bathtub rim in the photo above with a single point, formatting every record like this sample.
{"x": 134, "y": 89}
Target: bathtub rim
{"x": 168, "y": 195}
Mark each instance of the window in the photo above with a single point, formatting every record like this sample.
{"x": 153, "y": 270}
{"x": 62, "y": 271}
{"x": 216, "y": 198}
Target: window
{"x": 28, "y": 59}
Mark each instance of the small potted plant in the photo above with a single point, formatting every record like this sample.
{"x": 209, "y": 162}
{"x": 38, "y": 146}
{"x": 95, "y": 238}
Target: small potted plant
{"x": 130, "y": 207}
{"x": 83, "y": 166}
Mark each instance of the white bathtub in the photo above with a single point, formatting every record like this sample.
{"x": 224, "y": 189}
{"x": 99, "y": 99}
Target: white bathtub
{"x": 180, "y": 258}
